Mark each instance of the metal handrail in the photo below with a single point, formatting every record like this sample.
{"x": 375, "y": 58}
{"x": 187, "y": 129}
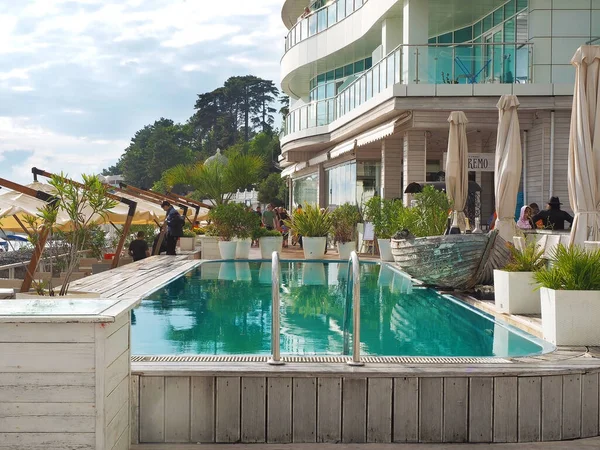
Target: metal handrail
{"x": 275, "y": 359}
{"x": 354, "y": 263}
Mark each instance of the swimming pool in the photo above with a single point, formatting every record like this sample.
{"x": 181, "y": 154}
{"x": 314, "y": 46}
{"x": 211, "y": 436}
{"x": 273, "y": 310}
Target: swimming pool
{"x": 224, "y": 308}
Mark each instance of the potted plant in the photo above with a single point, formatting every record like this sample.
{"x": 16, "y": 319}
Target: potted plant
{"x": 188, "y": 240}
{"x": 84, "y": 208}
{"x": 383, "y": 214}
{"x": 269, "y": 241}
{"x": 225, "y": 220}
{"x": 249, "y": 221}
{"x": 514, "y": 286}
{"x": 313, "y": 225}
{"x": 570, "y": 293}
{"x": 345, "y": 218}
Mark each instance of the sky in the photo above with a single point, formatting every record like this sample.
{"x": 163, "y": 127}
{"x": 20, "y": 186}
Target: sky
{"x": 79, "y": 77}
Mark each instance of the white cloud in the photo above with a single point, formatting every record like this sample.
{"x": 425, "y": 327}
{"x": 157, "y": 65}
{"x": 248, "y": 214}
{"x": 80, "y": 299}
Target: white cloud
{"x": 22, "y": 88}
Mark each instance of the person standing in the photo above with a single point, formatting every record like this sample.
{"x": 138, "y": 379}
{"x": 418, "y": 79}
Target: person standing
{"x": 268, "y": 218}
{"x": 553, "y": 217}
{"x": 174, "y": 226}
{"x": 138, "y": 248}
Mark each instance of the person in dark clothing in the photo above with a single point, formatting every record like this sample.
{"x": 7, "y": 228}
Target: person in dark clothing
{"x": 553, "y": 217}
{"x": 163, "y": 245}
{"x": 138, "y": 248}
{"x": 174, "y": 226}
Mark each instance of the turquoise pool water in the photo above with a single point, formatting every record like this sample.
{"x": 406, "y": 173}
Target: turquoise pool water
{"x": 225, "y": 308}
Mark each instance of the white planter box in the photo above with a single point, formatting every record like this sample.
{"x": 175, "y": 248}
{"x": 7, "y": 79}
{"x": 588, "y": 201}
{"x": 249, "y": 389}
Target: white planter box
{"x": 210, "y": 247}
{"x": 71, "y": 361}
{"x": 571, "y": 317}
{"x": 268, "y": 245}
{"x": 242, "y": 250}
{"x": 346, "y": 249}
{"x": 227, "y": 249}
{"x": 385, "y": 250}
{"x": 314, "y": 247}
{"x": 186, "y": 244}
{"x": 515, "y": 293}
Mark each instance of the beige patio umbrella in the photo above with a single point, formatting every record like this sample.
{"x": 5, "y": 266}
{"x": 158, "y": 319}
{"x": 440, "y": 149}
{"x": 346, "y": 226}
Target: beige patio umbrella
{"x": 508, "y": 166}
{"x": 584, "y": 147}
{"x": 457, "y": 175}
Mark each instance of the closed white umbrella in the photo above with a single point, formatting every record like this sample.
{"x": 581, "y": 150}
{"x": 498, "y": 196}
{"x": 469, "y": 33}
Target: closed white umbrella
{"x": 457, "y": 175}
{"x": 508, "y": 166}
{"x": 584, "y": 147}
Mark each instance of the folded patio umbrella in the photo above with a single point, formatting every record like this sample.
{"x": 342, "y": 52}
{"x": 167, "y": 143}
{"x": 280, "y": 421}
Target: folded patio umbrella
{"x": 584, "y": 147}
{"x": 508, "y": 166}
{"x": 457, "y": 175}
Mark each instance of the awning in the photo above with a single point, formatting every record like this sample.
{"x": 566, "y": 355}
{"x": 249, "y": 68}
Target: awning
{"x": 288, "y": 171}
{"x": 375, "y": 134}
{"x": 318, "y": 159}
{"x": 343, "y": 148}
{"x": 301, "y": 165}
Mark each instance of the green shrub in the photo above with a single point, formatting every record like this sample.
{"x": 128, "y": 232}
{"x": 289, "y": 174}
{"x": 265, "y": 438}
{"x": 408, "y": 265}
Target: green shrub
{"x": 311, "y": 222}
{"x": 531, "y": 259}
{"x": 231, "y": 220}
{"x": 429, "y": 216}
{"x": 572, "y": 269}
{"x": 345, "y": 217}
{"x": 384, "y": 215}
{"x": 263, "y": 232}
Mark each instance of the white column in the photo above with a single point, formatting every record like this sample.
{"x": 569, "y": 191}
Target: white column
{"x": 413, "y": 160}
{"x": 391, "y": 34}
{"x": 415, "y": 31}
{"x": 391, "y": 167}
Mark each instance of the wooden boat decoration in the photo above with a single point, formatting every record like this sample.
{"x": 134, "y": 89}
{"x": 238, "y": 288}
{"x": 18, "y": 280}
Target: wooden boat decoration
{"x": 456, "y": 261}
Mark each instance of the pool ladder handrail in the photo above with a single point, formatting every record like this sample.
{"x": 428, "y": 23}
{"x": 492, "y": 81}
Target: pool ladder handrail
{"x": 355, "y": 265}
{"x": 275, "y": 359}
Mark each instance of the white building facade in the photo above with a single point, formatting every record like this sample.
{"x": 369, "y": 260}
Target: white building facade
{"x": 372, "y": 83}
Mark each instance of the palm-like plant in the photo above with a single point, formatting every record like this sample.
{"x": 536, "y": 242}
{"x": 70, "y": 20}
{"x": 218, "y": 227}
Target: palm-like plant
{"x": 573, "y": 269}
{"x": 216, "y": 180}
{"x": 311, "y": 222}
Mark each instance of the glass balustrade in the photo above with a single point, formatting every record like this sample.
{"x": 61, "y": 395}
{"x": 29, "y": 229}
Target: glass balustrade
{"x": 469, "y": 63}
{"x": 321, "y": 19}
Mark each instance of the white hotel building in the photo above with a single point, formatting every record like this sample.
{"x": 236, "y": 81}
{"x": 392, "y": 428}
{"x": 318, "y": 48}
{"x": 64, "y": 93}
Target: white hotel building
{"x": 372, "y": 83}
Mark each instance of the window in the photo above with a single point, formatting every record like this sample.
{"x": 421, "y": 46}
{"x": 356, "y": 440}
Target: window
{"x": 348, "y": 70}
{"x": 445, "y": 38}
{"x": 322, "y": 20}
{"x": 329, "y": 76}
{"x": 305, "y": 189}
{"x": 321, "y": 78}
{"x": 330, "y": 90}
{"x": 432, "y": 41}
{"x": 359, "y": 66}
{"x": 463, "y": 35}
{"x": 522, "y": 4}
{"x": 342, "y": 184}
{"x": 498, "y": 16}
{"x": 368, "y": 63}
{"x": 477, "y": 29}
{"x": 368, "y": 180}
{"x": 332, "y": 14}
{"x": 487, "y": 23}
{"x": 509, "y": 9}
{"x": 312, "y": 25}
{"x": 321, "y": 92}
{"x": 339, "y": 73}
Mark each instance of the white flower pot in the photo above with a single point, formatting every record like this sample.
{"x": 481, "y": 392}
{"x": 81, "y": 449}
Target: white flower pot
{"x": 242, "y": 250}
{"x": 314, "y": 247}
{"x": 570, "y": 317}
{"x": 227, "y": 249}
{"x": 515, "y": 293}
{"x": 186, "y": 243}
{"x": 270, "y": 244}
{"x": 385, "y": 250}
{"x": 346, "y": 249}
{"x": 209, "y": 246}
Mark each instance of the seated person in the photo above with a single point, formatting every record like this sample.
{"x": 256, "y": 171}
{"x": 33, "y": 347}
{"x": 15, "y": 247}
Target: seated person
{"x": 553, "y": 217}
{"x": 138, "y": 248}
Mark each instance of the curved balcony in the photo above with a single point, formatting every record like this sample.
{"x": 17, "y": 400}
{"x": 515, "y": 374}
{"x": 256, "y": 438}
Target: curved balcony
{"x": 455, "y": 64}
{"x": 320, "y": 20}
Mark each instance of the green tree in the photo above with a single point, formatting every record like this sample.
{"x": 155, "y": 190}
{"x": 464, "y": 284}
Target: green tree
{"x": 273, "y": 189}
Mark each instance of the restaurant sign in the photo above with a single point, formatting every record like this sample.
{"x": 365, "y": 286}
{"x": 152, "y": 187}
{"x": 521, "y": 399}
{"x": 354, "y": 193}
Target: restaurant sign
{"x": 479, "y": 162}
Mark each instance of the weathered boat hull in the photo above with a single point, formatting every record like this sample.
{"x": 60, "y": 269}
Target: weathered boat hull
{"x": 458, "y": 261}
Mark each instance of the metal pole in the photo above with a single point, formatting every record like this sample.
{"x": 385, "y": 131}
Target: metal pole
{"x": 275, "y": 359}
{"x": 353, "y": 261}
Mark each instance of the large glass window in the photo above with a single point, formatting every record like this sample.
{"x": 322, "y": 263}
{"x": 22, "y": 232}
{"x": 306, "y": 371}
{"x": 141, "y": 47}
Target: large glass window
{"x": 342, "y": 184}
{"x": 305, "y": 190}
{"x": 368, "y": 180}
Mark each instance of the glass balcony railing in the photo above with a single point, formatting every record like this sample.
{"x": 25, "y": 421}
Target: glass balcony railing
{"x": 321, "y": 19}
{"x": 469, "y": 63}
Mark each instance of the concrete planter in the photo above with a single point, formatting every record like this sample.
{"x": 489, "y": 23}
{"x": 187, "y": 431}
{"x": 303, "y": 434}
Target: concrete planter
{"x": 209, "y": 247}
{"x": 385, "y": 250}
{"x": 346, "y": 249}
{"x": 227, "y": 249}
{"x": 514, "y": 293}
{"x": 314, "y": 247}
{"x": 242, "y": 250}
{"x": 186, "y": 244}
{"x": 570, "y": 317}
{"x": 270, "y": 244}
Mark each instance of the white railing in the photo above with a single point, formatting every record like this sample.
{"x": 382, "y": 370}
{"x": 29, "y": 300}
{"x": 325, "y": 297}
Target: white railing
{"x": 354, "y": 270}
{"x": 275, "y": 325}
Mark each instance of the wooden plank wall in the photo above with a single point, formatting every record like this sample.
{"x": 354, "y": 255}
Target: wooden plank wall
{"x": 359, "y": 409}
